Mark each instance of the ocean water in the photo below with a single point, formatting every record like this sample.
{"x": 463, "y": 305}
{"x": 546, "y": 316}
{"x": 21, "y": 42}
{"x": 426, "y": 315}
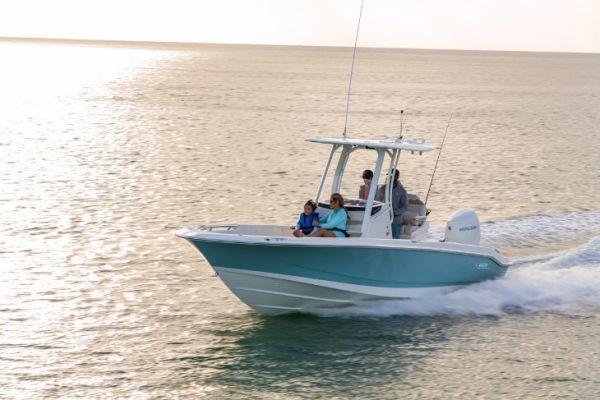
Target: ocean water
{"x": 107, "y": 148}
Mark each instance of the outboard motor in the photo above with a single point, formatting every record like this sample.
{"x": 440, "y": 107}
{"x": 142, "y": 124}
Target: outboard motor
{"x": 463, "y": 227}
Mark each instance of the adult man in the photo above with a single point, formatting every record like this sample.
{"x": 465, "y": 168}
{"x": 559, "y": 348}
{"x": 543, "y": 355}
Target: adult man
{"x": 363, "y": 191}
{"x": 399, "y": 203}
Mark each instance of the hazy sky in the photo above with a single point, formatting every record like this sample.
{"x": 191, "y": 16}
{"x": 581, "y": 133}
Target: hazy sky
{"x": 534, "y": 25}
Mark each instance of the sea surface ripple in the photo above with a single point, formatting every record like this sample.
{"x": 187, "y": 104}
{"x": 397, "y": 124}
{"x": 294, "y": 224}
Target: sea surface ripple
{"x": 107, "y": 148}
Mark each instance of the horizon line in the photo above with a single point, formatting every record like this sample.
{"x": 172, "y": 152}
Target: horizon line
{"x": 155, "y": 42}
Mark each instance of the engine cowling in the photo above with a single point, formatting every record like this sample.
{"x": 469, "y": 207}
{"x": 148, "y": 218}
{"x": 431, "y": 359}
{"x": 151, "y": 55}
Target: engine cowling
{"x": 463, "y": 227}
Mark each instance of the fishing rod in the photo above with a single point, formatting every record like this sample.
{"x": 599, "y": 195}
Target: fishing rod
{"x": 438, "y": 159}
{"x": 352, "y": 68}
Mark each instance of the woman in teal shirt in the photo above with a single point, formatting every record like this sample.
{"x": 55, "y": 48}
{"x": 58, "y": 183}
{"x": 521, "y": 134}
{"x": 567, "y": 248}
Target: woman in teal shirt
{"x": 334, "y": 223}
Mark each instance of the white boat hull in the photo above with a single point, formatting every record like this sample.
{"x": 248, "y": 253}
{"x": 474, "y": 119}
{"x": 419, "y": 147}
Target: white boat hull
{"x": 274, "y": 294}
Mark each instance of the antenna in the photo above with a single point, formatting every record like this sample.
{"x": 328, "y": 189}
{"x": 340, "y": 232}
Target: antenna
{"x": 401, "y": 123}
{"x": 438, "y": 159}
{"x": 352, "y": 68}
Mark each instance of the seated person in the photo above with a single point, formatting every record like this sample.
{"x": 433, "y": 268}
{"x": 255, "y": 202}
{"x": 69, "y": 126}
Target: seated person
{"x": 308, "y": 221}
{"x": 363, "y": 191}
{"x": 334, "y": 223}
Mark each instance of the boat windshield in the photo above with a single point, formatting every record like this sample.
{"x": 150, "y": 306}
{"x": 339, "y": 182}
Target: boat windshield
{"x": 348, "y": 179}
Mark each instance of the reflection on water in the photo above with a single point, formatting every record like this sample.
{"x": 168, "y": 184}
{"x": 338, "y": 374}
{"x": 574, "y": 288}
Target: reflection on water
{"x": 106, "y": 149}
{"x": 316, "y": 354}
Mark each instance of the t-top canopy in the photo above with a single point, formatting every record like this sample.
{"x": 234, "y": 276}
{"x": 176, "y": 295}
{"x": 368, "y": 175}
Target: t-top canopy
{"x": 413, "y": 145}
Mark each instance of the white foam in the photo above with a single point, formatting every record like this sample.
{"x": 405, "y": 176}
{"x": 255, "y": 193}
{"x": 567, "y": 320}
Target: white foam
{"x": 566, "y": 283}
{"x": 588, "y": 254}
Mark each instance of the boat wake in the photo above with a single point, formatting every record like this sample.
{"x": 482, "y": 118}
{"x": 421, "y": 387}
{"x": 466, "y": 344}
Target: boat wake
{"x": 565, "y": 282}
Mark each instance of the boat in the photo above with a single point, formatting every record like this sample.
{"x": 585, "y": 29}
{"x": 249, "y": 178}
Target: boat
{"x": 274, "y": 272}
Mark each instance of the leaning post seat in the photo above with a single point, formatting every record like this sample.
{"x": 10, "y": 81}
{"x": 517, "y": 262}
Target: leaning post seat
{"x": 414, "y": 217}
{"x": 416, "y": 212}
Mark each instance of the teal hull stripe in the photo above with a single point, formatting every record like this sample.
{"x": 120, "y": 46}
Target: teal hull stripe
{"x": 377, "y": 267}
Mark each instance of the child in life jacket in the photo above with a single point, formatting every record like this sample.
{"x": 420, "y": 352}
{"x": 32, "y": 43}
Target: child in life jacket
{"x": 306, "y": 223}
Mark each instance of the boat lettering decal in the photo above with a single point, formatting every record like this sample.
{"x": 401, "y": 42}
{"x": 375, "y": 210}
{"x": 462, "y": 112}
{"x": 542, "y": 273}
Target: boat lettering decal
{"x": 482, "y": 265}
{"x": 468, "y": 228}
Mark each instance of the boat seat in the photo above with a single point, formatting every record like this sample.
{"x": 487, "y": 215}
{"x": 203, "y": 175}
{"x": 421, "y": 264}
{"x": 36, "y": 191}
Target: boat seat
{"x": 413, "y": 217}
{"x": 406, "y": 231}
{"x": 416, "y": 213}
{"x": 353, "y": 228}
{"x": 415, "y": 204}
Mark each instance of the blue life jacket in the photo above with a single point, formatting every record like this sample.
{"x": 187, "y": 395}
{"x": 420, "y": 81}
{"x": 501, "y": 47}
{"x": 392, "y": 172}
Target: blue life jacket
{"x": 306, "y": 222}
